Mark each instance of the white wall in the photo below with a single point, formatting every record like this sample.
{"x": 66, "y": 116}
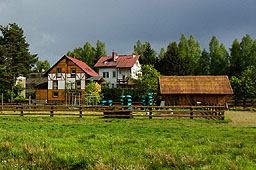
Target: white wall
{"x": 135, "y": 69}
{"x": 124, "y": 71}
{"x": 111, "y": 79}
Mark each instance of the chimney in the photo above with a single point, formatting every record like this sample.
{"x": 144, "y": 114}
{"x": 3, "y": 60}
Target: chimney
{"x": 114, "y": 55}
{"x": 74, "y": 55}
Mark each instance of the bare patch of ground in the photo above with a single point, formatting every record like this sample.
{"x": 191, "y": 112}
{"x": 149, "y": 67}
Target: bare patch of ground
{"x": 241, "y": 118}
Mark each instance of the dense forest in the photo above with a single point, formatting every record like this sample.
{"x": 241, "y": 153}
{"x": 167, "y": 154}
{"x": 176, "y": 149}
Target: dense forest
{"x": 187, "y": 58}
{"x": 178, "y": 58}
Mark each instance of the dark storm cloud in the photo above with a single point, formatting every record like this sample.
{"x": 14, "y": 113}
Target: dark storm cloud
{"x": 53, "y": 27}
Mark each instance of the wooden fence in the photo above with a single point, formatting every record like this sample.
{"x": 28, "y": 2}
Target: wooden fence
{"x": 188, "y": 112}
{"x": 241, "y": 103}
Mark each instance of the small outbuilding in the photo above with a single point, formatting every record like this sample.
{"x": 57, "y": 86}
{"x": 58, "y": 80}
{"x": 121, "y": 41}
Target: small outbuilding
{"x": 194, "y": 90}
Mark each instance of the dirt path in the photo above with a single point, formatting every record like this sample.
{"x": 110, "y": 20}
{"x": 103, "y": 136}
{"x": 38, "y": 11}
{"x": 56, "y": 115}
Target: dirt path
{"x": 241, "y": 118}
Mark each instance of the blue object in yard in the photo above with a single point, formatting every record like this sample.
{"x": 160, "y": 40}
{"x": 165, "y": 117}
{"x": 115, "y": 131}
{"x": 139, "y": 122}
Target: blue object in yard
{"x": 122, "y": 99}
{"x": 110, "y": 102}
{"x": 103, "y": 102}
{"x": 126, "y": 100}
{"x": 106, "y": 103}
{"x": 129, "y": 101}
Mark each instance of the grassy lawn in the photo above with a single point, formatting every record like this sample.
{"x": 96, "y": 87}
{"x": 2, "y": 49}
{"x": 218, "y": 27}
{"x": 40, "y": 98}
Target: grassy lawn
{"x": 42, "y": 142}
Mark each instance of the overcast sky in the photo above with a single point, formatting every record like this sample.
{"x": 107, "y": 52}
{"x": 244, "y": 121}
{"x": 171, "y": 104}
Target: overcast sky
{"x": 53, "y": 27}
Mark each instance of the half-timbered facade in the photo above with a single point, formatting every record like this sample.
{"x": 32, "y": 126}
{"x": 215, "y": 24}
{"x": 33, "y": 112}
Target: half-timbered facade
{"x": 68, "y": 78}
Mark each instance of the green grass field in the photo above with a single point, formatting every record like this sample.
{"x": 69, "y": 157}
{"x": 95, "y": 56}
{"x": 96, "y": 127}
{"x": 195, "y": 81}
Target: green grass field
{"x": 33, "y": 142}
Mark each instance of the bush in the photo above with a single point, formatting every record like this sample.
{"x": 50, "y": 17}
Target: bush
{"x": 19, "y": 99}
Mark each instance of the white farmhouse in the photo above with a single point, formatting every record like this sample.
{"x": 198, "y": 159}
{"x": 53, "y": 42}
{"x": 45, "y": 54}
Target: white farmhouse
{"x": 115, "y": 69}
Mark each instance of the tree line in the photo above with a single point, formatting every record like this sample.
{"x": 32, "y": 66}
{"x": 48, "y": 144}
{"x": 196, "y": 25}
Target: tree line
{"x": 179, "y": 58}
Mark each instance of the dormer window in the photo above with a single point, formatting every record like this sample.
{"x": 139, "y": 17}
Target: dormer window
{"x": 105, "y": 62}
{"x": 73, "y": 72}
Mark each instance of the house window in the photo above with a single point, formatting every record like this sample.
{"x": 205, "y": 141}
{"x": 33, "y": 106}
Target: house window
{"x": 58, "y": 72}
{"x": 105, "y": 75}
{"x": 113, "y": 85}
{"x": 114, "y": 74}
{"x": 78, "y": 84}
{"x": 55, "y": 94}
{"x": 73, "y": 72}
{"x": 55, "y": 84}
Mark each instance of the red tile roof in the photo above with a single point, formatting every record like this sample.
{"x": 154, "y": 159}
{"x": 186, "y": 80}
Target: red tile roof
{"x": 84, "y": 67}
{"x": 122, "y": 61}
{"x": 80, "y": 64}
{"x": 195, "y": 85}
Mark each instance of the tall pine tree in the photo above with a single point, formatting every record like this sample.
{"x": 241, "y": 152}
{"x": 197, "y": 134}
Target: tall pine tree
{"x": 236, "y": 62}
{"x": 218, "y": 58}
{"x": 15, "y": 58}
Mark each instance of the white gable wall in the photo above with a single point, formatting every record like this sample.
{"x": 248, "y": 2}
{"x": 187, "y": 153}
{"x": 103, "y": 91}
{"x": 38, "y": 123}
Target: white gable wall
{"x": 135, "y": 70}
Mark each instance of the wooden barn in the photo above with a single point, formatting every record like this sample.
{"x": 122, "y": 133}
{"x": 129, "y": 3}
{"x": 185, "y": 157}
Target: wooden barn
{"x": 66, "y": 79}
{"x": 194, "y": 90}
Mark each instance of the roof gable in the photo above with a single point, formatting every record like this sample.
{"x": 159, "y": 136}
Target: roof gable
{"x": 195, "y": 85}
{"x": 121, "y": 62}
{"x": 79, "y": 64}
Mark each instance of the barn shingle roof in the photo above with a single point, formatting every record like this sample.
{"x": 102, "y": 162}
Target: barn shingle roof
{"x": 195, "y": 85}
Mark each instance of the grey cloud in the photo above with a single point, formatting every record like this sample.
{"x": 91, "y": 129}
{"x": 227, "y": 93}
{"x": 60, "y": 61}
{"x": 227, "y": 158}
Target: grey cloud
{"x": 54, "y": 27}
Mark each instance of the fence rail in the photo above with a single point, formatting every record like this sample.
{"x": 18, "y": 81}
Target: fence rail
{"x": 191, "y": 112}
{"x": 241, "y": 103}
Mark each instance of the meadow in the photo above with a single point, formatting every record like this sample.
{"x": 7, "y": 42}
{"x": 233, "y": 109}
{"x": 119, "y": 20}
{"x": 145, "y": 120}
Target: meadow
{"x": 42, "y": 142}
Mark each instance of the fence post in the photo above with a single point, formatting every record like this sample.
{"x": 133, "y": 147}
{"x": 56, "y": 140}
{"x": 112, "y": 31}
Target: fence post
{"x": 21, "y": 112}
{"x": 223, "y": 111}
{"x": 80, "y": 112}
{"x": 244, "y": 104}
{"x": 150, "y": 113}
{"x": 51, "y": 111}
{"x": 191, "y": 112}
{"x": 2, "y": 100}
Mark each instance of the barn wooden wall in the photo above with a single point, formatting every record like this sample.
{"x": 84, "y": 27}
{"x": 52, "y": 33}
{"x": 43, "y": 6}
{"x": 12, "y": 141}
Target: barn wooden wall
{"x": 186, "y": 99}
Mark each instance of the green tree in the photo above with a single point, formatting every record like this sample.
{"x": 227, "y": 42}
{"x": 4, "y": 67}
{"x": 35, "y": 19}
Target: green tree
{"x": 195, "y": 53}
{"x": 93, "y": 89}
{"x": 41, "y": 66}
{"x": 183, "y": 55}
{"x": 159, "y": 58}
{"x": 189, "y": 54}
{"x": 138, "y": 48}
{"x": 89, "y": 54}
{"x": 147, "y": 81}
{"x": 15, "y": 56}
{"x": 100, "y": 50}
{"x": 253, "y": 54}
{"x": 161, "y": 54}
{"x": 246, "y": 47}
{"x": 148, "y": 55}
{"x": 218, "y": 58}
{"x": 171, "y": 64}
{"x": 202, "y": 66}
{"x": 236, "y": 61}
{"x": 245, "y": 86}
